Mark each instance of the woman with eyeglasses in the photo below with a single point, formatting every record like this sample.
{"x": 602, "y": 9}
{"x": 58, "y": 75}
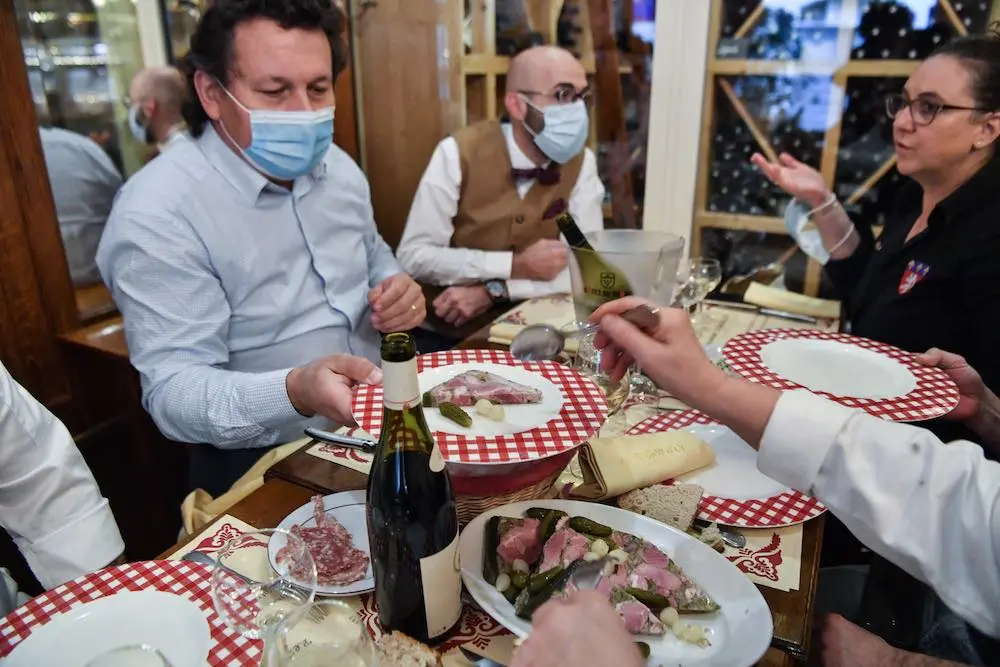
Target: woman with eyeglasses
{"x": 932, "y": 279}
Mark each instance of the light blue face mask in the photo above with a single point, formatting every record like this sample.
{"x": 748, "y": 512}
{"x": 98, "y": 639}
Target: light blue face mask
{"x": 286, "y": 144}
{"x": 806, "y": 236}
{"x": 565, "y": 132}
{"x": 138, "y": 130}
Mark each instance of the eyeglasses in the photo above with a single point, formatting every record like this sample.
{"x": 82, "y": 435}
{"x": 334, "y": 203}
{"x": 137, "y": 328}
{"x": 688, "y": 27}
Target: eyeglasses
{"x": 923, "y": 110}
{"x": 563, "y": 95}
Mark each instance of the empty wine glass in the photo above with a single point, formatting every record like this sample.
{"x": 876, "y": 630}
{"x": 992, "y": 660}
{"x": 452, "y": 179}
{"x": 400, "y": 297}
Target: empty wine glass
{"x": 140, "y": 655}
{"x": 329, "y": 634}
{"x": 260, "y": 578}
{"x": 588, "y": 361}
{"x": 696, "y": 279}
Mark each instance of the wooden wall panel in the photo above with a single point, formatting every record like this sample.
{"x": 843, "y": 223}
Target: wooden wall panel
{"x": 36, "y": 294}
{"x": 408, "y": 52}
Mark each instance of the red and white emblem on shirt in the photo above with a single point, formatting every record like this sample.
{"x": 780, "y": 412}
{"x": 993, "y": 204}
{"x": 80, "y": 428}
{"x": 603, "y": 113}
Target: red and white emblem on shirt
{"x": 915, "y": 272}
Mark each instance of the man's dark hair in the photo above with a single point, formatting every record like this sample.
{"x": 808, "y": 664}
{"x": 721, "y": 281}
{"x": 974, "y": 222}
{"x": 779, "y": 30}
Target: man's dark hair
{"x": 212, "y": 43}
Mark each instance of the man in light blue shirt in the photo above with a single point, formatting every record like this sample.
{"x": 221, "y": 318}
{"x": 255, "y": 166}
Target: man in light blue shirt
{"x": 246, "y": 263}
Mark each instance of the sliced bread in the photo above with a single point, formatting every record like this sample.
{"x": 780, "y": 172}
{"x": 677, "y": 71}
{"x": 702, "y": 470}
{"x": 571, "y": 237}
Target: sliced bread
{"x": 674, "y": 505}
{"x": 399, "y": 650}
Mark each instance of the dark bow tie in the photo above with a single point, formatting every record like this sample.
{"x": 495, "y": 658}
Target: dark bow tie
{"x": 545, "y": 175}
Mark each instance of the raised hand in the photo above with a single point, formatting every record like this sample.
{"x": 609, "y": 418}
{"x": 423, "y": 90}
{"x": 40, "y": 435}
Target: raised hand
{"x": 797, "y": 179}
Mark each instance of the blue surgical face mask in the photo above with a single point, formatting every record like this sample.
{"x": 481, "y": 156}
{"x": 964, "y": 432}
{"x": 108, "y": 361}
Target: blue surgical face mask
{"x": 138, "y": 130}
{"x": 286, "y": 144}
{"x": 806, "y": 237}
{"x": 565, "y": 132}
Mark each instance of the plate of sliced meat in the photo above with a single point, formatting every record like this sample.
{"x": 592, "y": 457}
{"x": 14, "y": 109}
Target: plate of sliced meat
{"x": 485, "y": 407}
{"x": 336, "y": 532}
{"x": 686, "y": 602}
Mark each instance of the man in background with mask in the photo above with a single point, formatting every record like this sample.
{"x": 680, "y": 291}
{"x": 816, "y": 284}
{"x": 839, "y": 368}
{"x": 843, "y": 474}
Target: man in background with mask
{"x": 246, "y": 262}
{"x": 156, "y": 98}
{"x": 481, "y": 231}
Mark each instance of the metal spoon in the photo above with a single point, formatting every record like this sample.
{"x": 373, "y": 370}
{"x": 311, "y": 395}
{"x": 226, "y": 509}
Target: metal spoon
{"x": 542, "y": 342}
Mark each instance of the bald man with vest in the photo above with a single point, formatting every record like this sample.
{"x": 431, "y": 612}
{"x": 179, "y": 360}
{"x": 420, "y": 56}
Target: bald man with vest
{"x": 481, "y": 233}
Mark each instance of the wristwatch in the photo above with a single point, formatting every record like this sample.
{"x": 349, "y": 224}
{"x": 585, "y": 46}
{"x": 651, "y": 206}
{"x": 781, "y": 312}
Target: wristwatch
{"x": 497, "y": 289}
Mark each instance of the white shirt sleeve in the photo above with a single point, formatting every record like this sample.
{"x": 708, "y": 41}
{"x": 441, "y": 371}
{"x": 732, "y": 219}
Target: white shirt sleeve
{"x": 425, "y": 250}
{"x": 49, "y": 501}
{"x": 586, "y": 204}
{"x": 930, "y": 508}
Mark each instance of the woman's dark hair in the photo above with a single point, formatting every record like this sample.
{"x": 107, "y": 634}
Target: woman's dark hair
{"x": 212, "y": 43}
{"x": 981, "y": 55}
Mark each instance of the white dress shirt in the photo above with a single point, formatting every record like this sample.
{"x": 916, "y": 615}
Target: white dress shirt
{"x": 227, "y": 281}
{"x": 425, "y": 252}
{"x": 49, "y": 501}
{"x": 930, "y": 508}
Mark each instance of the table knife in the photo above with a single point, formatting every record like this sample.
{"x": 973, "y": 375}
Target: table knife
{"x": 341, "y": 440}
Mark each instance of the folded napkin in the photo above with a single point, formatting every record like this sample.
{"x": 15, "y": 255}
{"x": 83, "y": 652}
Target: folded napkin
{"x": 791, "y": 302}
{"x": 613, "y": 466}
{"x": 555, "y": 310}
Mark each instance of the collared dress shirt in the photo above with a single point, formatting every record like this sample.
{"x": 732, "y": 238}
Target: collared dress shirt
{"x": 49, "y": 501}
{"x": 425, "y": 251}
{"x": 227, "y": 281}
{"x": 929, "y": 508}
{"x": 84, "y": 182}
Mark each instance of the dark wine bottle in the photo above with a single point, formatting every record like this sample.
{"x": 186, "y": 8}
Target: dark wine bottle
{"x": 412, "y": 522}
{"x": 602, "y": 281}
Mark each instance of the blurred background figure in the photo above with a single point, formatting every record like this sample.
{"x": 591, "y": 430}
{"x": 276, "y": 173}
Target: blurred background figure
{"x": 154, "y": 107}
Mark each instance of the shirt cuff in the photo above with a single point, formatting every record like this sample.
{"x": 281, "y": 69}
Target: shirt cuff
{"x": 87, "y": 543}
{"x": 802, "y": 429}
{"x": 497, "y": 265}
{"x": 267, "y": 395}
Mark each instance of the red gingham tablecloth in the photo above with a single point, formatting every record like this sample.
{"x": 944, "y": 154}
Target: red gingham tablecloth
{"x": 583, "y": 412}
{"x": 190, "y": 580}
{"x": 784, "y": 509}
{"x": 934, "y": 396}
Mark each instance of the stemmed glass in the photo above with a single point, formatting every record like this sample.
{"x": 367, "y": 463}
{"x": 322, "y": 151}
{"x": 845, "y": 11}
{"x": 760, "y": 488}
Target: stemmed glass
{"x": 695, "y": 281}
{"x": 328, "y": 635}
{"x": 261, "y": 578}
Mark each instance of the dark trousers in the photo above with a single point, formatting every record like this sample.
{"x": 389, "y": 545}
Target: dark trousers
{"x": 431, "y": 341}
{"x": 216, "y": 470}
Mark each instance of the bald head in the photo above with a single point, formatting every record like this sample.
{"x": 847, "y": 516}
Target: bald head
{"x": 165, "y": 85}
{"x": 542, "y": 68}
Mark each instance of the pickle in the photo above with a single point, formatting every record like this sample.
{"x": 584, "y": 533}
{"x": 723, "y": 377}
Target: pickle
{"x": 491, "y": 561}
{"x": 537, "y": 512}
{"x": 648, "y": 598}
{"x": 584, "y": 525}
{"x": 548, "y": 524}
{"x": 519, "y": 579}
{"x": 643, "y": 649}
{"x": 428, "y": 400}
{"x": 455, "y": 414}
{"x": 543, "y": 579}
{"x": 511, "y": 593}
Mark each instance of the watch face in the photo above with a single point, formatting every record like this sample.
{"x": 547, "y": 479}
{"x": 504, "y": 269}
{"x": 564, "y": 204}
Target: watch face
{"x": 495, "y": 289}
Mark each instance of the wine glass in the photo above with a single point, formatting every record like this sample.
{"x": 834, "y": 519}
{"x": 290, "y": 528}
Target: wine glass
{"x": 703, "y": 275}
{"x": 140, "y": 655}
{"x": 253, "y": 593}
{"x": 329, "y": 634}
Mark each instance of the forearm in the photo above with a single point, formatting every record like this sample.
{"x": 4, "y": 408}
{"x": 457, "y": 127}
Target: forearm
{"x": 227, "y": 409}
{"x": 987, "y": 423}
{"x": 444, "y": 266}
{"x": 529, "y": 289}
{"x": 836, "y": 229}
{"x": 906, "y": 659}
{"x": 742, "y": 406}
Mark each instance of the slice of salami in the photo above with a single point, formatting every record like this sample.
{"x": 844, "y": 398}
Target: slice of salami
{"x": 338, "y": 561}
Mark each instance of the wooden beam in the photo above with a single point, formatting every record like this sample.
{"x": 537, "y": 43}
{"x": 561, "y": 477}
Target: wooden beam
{"x": 956, "y": 20}
{"x": 477, "y": 17}
{"x": 741, "y": 221}
{"x": 751, "y": 122}
{"x": 872, "y": 180}
{"x": 707, "y": 126}
{"x": 751, "y": 21}
{"x": 611, "y": 112}
{"x": 866, "y": 68}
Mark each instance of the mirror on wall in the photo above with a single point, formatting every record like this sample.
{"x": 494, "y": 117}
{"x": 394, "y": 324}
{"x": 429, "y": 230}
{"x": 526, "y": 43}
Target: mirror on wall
{"x": 80, "y": 57}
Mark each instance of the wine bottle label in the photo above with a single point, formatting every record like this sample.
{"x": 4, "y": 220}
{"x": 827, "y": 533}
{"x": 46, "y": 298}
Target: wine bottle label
{"x": 441, "y": 575}
{"x": 399, "y": 384}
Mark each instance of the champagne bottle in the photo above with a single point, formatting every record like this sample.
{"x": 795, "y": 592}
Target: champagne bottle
{"x": 602, "y": 281}
{"x": 412, "y": 522}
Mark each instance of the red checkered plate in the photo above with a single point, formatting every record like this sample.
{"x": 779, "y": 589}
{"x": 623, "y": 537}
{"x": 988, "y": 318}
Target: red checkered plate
{"x": 880, "y": 379}
{"x": 183, "y": 578}
{"x": 578, "y": 409}
{"x": 736, "y": 493}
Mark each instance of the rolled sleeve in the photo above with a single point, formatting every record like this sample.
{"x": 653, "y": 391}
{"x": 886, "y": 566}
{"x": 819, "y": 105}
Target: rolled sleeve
{"x": 798, "y": 437}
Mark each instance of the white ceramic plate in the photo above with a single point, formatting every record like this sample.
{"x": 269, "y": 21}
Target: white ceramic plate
{"x": 837, "y": 368}
{"x": 169, "y": 623}
{"x": 734, "y": 474}
{"x": 740, "y": 631}
{"x": 349, "y": 509}
{"x": 517, "y": 418}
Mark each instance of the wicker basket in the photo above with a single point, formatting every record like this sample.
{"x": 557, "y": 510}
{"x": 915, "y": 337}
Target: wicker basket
{"x": 469, "y": 507}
